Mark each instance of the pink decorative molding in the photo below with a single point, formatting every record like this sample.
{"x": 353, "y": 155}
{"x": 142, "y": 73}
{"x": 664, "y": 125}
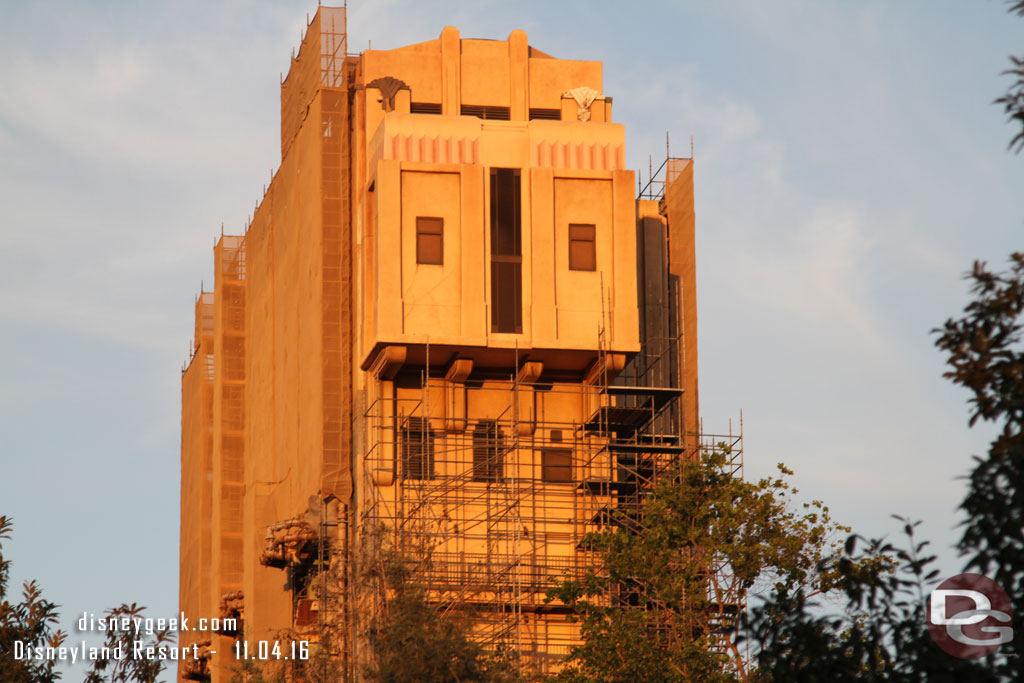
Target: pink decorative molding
{"x": 438, "y": 150}
{"x": 589, "y": 156}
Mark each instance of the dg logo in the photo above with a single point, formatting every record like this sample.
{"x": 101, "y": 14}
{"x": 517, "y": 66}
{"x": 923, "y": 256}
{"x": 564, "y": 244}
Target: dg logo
{"x": 969, "y": 616}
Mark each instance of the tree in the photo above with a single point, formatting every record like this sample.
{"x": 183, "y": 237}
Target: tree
{"x": 408, "y": 633}
{"x": 652, "y": 608}
{"x": 411, "y": 639}
{"x": 986, "y": 356}
{"x": 1013, "y": 100}
{"x": 413, "y": 642}
{"x": 880, "y": 634}
{"x": 30, "y": 622}
{"x": 129, "y": 669}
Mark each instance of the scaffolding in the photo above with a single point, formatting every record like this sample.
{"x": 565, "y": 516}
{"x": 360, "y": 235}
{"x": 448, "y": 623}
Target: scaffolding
{"x": 331, "y": 566}
{"x": 313, "y": 548}
{"x": 196, "y": 577}
{"x": 490, "y": 478}
{"x": 322, "y": 64}
{"x": 204, "y": 350}
{"x": 229, "y": 406}
{"x": 658, "y": 179}
{"x": 496, "y": 507}
{"x": 212, "y": 516}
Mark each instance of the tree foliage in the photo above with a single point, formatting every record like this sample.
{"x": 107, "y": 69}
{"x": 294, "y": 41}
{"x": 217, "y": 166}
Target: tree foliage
{"x": 129, "y": 669}
{"x": 646, "y": 611}
{"x": 881, "y": 633}
{"x": 413, "y": 639}
{"x": 986, "y": 355}
{"x": 32, "y": 621}
{"x": 414, "y": 642}
{"x": 1013, "y": 100}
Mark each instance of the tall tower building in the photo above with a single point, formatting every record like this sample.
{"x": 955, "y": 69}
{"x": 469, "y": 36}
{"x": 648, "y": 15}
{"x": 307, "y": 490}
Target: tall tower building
{"x": 451, "y": 327}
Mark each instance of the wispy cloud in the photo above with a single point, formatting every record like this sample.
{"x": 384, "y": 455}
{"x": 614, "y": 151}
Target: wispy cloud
{"x": 818, "y": 275}
{"x": 119, "y": 105}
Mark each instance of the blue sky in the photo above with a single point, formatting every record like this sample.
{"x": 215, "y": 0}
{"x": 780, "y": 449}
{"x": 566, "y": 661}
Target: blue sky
{"x": 850, "y": 166}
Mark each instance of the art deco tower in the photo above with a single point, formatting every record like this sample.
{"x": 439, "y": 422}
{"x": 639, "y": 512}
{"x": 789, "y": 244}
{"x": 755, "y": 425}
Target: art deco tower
{"x": 450, "y": 321}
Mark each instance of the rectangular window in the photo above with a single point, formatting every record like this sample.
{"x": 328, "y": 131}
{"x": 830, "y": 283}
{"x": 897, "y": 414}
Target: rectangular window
{"x": 506, "y": 252}
{"x": 582, "y": 251}
{"x": 430, "y": 240}
{"x": 488, "y": 451}
{"x": 417, "y": 449}
{"x": 556, "y": 465}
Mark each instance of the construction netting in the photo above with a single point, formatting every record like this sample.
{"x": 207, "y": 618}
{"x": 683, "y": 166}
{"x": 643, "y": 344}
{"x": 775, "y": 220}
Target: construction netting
{"x": 229, "y": 390}
{"x": 310, "y": 70}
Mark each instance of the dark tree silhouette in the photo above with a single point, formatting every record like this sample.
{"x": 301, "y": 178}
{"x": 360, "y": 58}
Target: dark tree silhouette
{"x": 1013, "y": 100}
{"x": 30, "y": 621}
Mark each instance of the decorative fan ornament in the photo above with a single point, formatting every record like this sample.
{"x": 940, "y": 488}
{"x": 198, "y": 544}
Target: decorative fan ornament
{"x": 584, "y": 97}
{"x": 389, "y": 87}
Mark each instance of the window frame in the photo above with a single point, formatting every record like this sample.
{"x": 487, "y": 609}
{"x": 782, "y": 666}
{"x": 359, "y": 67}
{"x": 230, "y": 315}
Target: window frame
{"x": 425, "y": 229}
{"x": 583, "y": 235}
{"x": 417, "y": 446}
{"x": 547, "y": 469}
{"x": 506, "y": 250}
{"x": 488, "y": 452}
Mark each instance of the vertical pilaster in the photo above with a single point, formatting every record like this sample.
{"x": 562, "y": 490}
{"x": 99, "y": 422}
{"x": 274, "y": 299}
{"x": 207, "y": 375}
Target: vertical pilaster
{"x": 519, "y": 76}
{"x": 451, "y": 72}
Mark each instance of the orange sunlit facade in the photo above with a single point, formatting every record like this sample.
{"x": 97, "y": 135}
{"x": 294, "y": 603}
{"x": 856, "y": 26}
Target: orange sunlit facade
{"x": 450, "y": 319}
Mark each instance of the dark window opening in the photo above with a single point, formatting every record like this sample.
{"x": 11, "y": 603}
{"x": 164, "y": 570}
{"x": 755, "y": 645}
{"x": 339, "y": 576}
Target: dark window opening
{"x": 556, "y": 465}
{"x": 430, "y": 240}
{"x": 417, "y": 449}
{"x": 506, "y": 252}
{"x": 582, "y": 249}
{"x": 425, "y": 107}
{"x": 545, "y": 114}
{"x": 486, "y": 112}
{"x": 506, "y": 293}
{"x": 488, "y": 451}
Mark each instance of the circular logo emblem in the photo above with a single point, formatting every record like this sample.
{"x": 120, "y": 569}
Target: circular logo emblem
{"x": 969, "y": 616}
